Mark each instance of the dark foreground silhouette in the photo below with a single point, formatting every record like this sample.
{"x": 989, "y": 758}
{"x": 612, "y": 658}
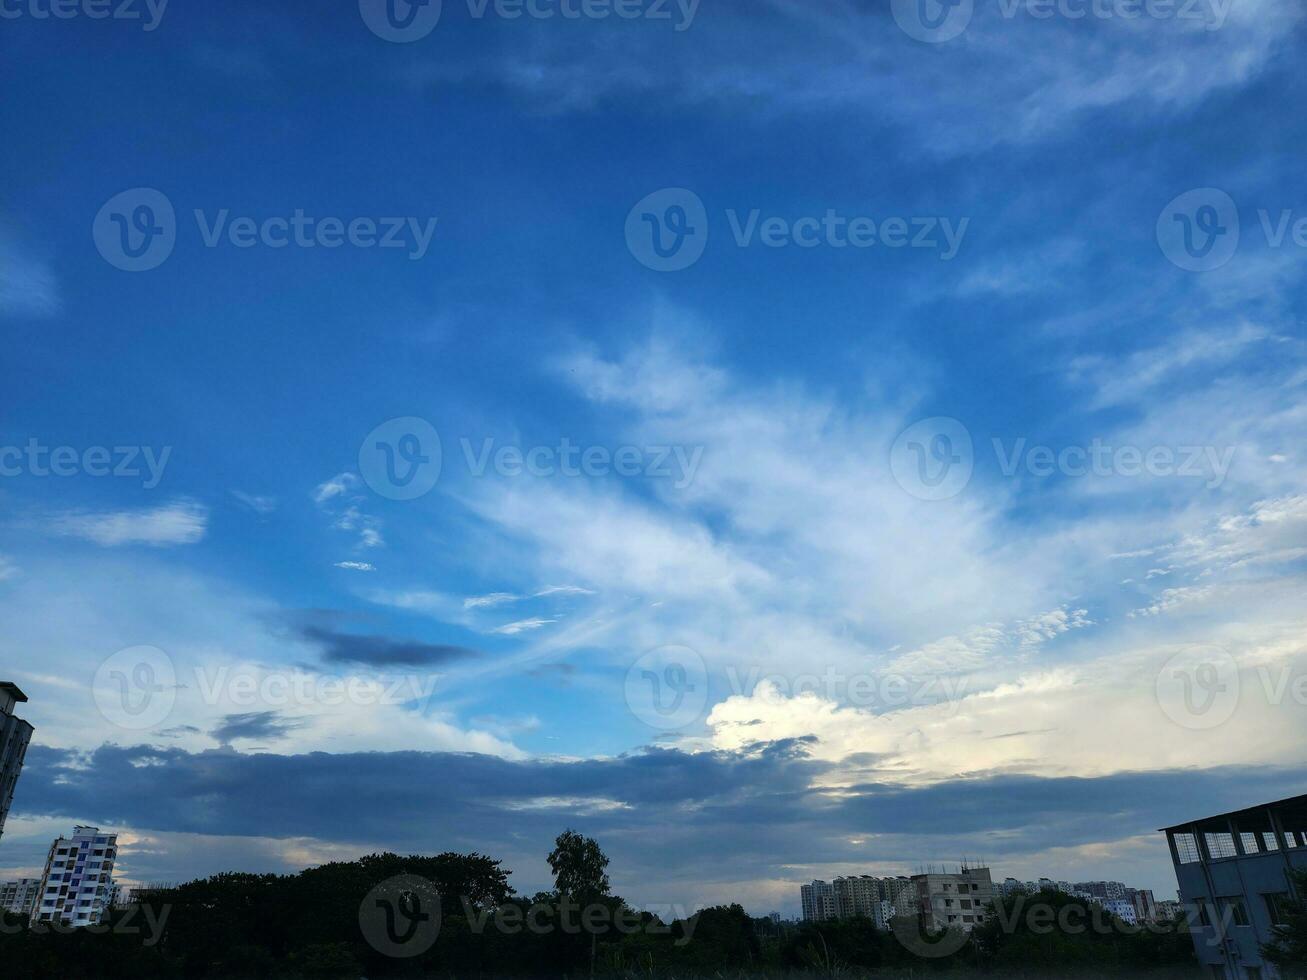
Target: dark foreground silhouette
{"x": 455, "y": 916}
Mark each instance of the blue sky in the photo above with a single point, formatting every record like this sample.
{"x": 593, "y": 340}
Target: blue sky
{"x": 1122, "y": 511}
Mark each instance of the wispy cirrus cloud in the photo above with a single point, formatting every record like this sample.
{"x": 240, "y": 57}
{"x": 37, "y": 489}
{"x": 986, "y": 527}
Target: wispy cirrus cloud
{"x": 522, "y": 626}
{"x": 179, "y": 523}
{"x": 261, "y": 504}
{"x": 27, "y": 284}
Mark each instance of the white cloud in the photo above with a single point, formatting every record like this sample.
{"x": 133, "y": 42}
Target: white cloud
{"x": 258, "y": 503}
{"x": 74, "y": 613}
{"x": 337, "y": 486}
{"x": 27, "y": 285}
{"x": 356, "y": 566}
{"x": 563, "y": 590}
{"x": 493, "y": 599}
{"x": 182, "y": 522}
{"x": 522, "y": 626}
{"x": 817, "y": 56}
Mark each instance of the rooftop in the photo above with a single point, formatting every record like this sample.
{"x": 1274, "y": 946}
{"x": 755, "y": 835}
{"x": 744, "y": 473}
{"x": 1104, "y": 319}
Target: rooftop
{"x": 1297, "y": 804}
{"x": 12, "y": 689}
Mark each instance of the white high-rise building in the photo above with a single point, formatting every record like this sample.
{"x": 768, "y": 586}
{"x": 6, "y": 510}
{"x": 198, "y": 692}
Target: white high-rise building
{"x": 14, "y": 736}
{"x": 818, "y": 901}
{"x": 19, "y": 897}
{"x": 77, "y": 887}
{"x": 860, "y": 896}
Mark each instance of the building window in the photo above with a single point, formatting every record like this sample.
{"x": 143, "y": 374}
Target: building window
{"x": 1249, "y": 842}
{"x": 1238, "y": 913}
{"x": 1186, "y": 848}
{"x": 1289, "y": 839}
{"x": 1220, "y": 845}
{"x": 1275, "y": 902}
{"x": 1268, "y": 838}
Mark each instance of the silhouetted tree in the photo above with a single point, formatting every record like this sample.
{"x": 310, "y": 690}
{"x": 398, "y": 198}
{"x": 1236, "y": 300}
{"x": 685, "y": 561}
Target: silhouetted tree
{"x": 579, "y": 866}
{"x": 1288, "y": 951}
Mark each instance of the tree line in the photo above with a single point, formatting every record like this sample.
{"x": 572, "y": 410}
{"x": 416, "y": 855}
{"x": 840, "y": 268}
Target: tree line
{"x": 456, "y": 916}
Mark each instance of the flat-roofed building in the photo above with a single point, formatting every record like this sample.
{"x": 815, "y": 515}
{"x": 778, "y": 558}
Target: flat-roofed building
{"x": 818, "y": 900}
{"x": 1234, "y": 871}
{"x": 19, "y": 897}
{"x": 15, "y": 734}
{"x": 77, "y": 887}
{"x": 954, "y": 901}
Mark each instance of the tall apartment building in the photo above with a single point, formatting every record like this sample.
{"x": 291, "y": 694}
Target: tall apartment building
{"x": 1234, "y": 872}
{"x": 1101, "y": 889}
{"x": 1144, "y": 903}
{"x": 14, "y": 736}
{"x": 863, "y": 896}
{"x": 19, "y": 897}
{"x": 901, "y": 893}
{"x": 77, "y": 887}
{"x": 954, "y": 901}
{"x": 818, "y": 901}
{"x": 866, "y": 896}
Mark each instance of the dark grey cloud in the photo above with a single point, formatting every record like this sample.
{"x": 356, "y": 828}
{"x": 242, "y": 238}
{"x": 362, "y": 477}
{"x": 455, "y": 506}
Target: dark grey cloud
{"x": 559, "y": 673}
{"x": 265, "y": 725}
{"x": 669, "y": 819}
{"x": 380, "y": 651}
